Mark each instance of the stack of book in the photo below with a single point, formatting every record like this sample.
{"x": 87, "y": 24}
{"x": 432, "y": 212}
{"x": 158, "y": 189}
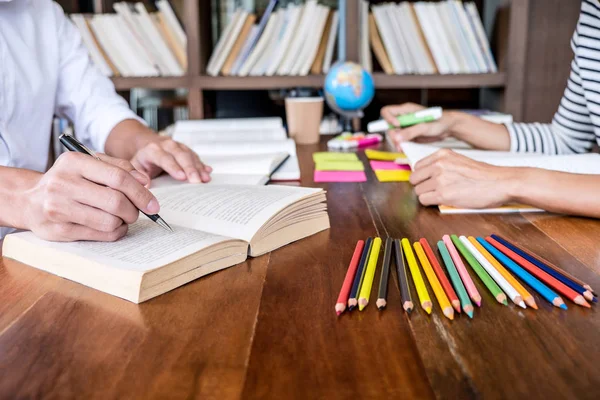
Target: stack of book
{"x": 426, "y": 38}
{"x": 292, "y": 40}
{"x": 135, "y": 42}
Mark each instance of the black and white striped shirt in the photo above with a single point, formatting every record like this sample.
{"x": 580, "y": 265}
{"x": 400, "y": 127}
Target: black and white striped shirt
{"x": 576, "y": 124}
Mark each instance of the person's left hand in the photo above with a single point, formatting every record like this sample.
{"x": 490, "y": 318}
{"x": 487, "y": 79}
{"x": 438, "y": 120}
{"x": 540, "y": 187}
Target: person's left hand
{"x": 450, "y": 179}
{"x": 174, "y": 158}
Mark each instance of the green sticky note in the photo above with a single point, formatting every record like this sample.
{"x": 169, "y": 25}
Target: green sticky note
{"x": 332, "y": 156}
{"x": 339, "y": 165}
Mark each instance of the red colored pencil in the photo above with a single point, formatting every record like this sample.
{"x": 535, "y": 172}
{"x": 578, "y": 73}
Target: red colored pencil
{"x": 540, "y": 274}
{"x": 347, "y": 285}
{"x": 441, "y": 275}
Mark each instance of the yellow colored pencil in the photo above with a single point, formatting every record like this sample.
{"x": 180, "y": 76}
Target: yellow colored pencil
{"x": 527, "y": 297}
{"x": 416, "y": 275}
{"x": 365, "y": 289}
{"x": 434, "y": 282}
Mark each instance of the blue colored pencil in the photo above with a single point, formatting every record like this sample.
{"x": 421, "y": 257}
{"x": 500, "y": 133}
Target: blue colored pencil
{"x": 360, "y": 274}
{"x": 529, "y": 279}
{"x": 573, "y": 285}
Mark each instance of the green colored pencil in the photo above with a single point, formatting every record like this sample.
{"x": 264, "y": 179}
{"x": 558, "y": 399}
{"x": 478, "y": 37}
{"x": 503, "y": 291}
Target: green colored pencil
{"x": 466, "y": 304}
{"x": 483, "y": 275}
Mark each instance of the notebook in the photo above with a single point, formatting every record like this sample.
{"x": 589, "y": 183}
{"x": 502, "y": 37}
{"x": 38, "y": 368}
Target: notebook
{"x": 215, "y": 227}
{"x": 239, "y": 137}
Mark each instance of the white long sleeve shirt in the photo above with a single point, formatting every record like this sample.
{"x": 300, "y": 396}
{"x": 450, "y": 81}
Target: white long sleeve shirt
{"x": 45, "y": 70}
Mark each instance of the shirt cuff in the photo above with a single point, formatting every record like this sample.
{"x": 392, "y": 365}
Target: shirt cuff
{"x": 106, "y": 121}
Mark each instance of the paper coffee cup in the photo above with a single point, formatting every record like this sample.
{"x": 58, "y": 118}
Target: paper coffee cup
{"x": 304, "y": 115}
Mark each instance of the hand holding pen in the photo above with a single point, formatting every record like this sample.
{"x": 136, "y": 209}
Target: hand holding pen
{"x": 86, "y": 198}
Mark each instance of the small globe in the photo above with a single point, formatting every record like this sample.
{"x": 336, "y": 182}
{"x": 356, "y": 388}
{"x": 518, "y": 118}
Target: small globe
{"x": 348, "y": 87}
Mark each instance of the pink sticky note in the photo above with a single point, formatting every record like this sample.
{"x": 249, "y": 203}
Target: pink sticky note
{"x": 388, "y": 166}
{"x": 340, "y": 176}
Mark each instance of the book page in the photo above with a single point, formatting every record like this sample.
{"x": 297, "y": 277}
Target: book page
{"x": 229, "y": 210}
{"x": 232, "y": 148}
{"x": 576, "y": 163}
{"x": 145, "y": 247}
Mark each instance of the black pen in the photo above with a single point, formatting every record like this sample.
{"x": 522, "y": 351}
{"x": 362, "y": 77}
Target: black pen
{"x": 73, "y": 144}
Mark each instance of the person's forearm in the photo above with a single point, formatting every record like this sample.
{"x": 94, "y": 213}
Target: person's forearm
{"x": 558, "y": 192}
{"x": 127, "y": 137}
{"x": 478, "y": 132}
{"x": 15, "y": 183}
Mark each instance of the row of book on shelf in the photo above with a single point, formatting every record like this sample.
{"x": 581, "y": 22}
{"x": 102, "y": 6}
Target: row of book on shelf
{"x": 406, "y": 38}
{"x": 446, "y": 37}
{"x": 134, "y": 42}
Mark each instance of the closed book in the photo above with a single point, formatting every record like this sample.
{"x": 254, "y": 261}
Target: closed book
{"x": 378, "y": 48}
{"x": 292, "y": 19}
{"x": 441, "y": 62}
{"x": 470, "y": 35}
{"x": 217, "y": 58}
{"x": 300, "y": 38}
{"x": 96, "y": 53}
{"x": 312, "y": 48}
{"x": 104, "y": 34}
{"x": 237, "y": 46}
{"x": 261, "y": 45}
{"x": 484, "y": 44}
{"x": 317, "y": 65}
{"x": 171, "y": 19}
{"x": 419, "y": 38}
{"x": 327, "y": 60}
{"x": 179, "y": 52}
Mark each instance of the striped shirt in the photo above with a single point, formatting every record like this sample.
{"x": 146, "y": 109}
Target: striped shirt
{"x": 576, "y": 125}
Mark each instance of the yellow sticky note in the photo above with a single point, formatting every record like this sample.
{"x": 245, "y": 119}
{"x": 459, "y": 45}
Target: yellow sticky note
{"x": 383, "y": 155}
{"x": 392, "y": 175}
{"x": 339, "y": 165}
{"x": 332, "y": 156}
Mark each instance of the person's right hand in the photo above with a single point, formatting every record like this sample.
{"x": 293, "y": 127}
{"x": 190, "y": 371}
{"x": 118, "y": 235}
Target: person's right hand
{"x": 422, "y": 133}
{"x": 81, "y": 198}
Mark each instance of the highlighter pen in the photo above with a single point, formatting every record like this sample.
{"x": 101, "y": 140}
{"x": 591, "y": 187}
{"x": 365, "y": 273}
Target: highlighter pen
{"x": 406, "y": 120}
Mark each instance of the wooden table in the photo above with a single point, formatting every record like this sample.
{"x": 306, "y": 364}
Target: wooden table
{"x": 267, "y": 328}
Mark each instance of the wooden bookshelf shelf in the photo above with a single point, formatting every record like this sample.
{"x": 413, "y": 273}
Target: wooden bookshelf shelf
{"x": 154, "y": 82}
{"x": 383, "y": 81}
{"x": 257, "y": 82}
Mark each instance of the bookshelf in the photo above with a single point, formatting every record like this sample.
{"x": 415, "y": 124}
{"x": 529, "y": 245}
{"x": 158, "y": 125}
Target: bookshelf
{"x": 197, "y": 20}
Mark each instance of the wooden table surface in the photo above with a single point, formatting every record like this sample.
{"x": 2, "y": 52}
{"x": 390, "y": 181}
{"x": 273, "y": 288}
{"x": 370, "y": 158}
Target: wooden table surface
{"x": 267, "y": 328}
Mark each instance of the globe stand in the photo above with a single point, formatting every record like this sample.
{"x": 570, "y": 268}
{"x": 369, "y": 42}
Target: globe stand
{"x": 346, "y": 116}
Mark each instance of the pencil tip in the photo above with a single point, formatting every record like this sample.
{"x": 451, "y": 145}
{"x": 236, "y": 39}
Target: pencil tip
{"x": 338, "y": 313}
{"x": 522, "y": 304}
{"x": 563, "y": 306}
{"x": 588, "y": 295}
{"x": 478, "y": 303}
{"x": 456, "y": 305}
{"x": 470, "y": 314}
{"x": 361, "y": 307}
{"x": 531, "y": 303}
{"x": 581, "y": 301}
{"x": 381, "y": 303}
{"x": 428, "y": 309}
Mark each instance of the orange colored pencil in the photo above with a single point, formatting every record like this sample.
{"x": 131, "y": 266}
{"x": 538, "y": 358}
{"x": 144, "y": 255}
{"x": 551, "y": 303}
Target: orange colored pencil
{"x": 340, "y": 306}
{"x": 441, "y": 275}
{"x": 462, "y": 271}
{"x": 527, "y": 297}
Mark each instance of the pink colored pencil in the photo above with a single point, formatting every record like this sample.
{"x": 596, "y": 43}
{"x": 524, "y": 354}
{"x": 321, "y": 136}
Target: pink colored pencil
{"x": 347, "y": 285}
{"x": 462, "y": 271}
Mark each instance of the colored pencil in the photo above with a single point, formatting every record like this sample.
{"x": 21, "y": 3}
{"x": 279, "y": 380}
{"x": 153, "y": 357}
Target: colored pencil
{"x": 525, "y": 295}
{"x": 385, "y": 274}
{"x": 455, "y": 277}
{"x": 434, "y": 282}
{"x": 529, "y": 279}
{"x": 462, "y": 270}
{"x": 340, "y": 306}
{"x": 510, "y": 291}
{"x": 441, "y": 275}
{"x": 540, "y": 274}
{"x": 546, "y": 268}
{"x": 417, "y": 278}
{"x": 365, "y": 289}
{"x": 407, "y": 302}
{"x": 360, "y": 273}
{"x": 483, "y": 275}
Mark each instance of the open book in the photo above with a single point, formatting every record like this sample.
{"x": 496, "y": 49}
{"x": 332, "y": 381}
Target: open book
{"x": 574, "y": 163}
{"x": 257, "y": 137}
{"x": 215, "y": 227}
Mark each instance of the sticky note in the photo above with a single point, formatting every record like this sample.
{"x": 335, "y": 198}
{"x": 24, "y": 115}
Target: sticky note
{"x": 340, "y": 176}
{"x": 333, "y": 156}
{"x": 382, "y": 155}
{"x": 388, "y": 166}
{"x": 392, "y": 175}
{"x": 339, "y": 166}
